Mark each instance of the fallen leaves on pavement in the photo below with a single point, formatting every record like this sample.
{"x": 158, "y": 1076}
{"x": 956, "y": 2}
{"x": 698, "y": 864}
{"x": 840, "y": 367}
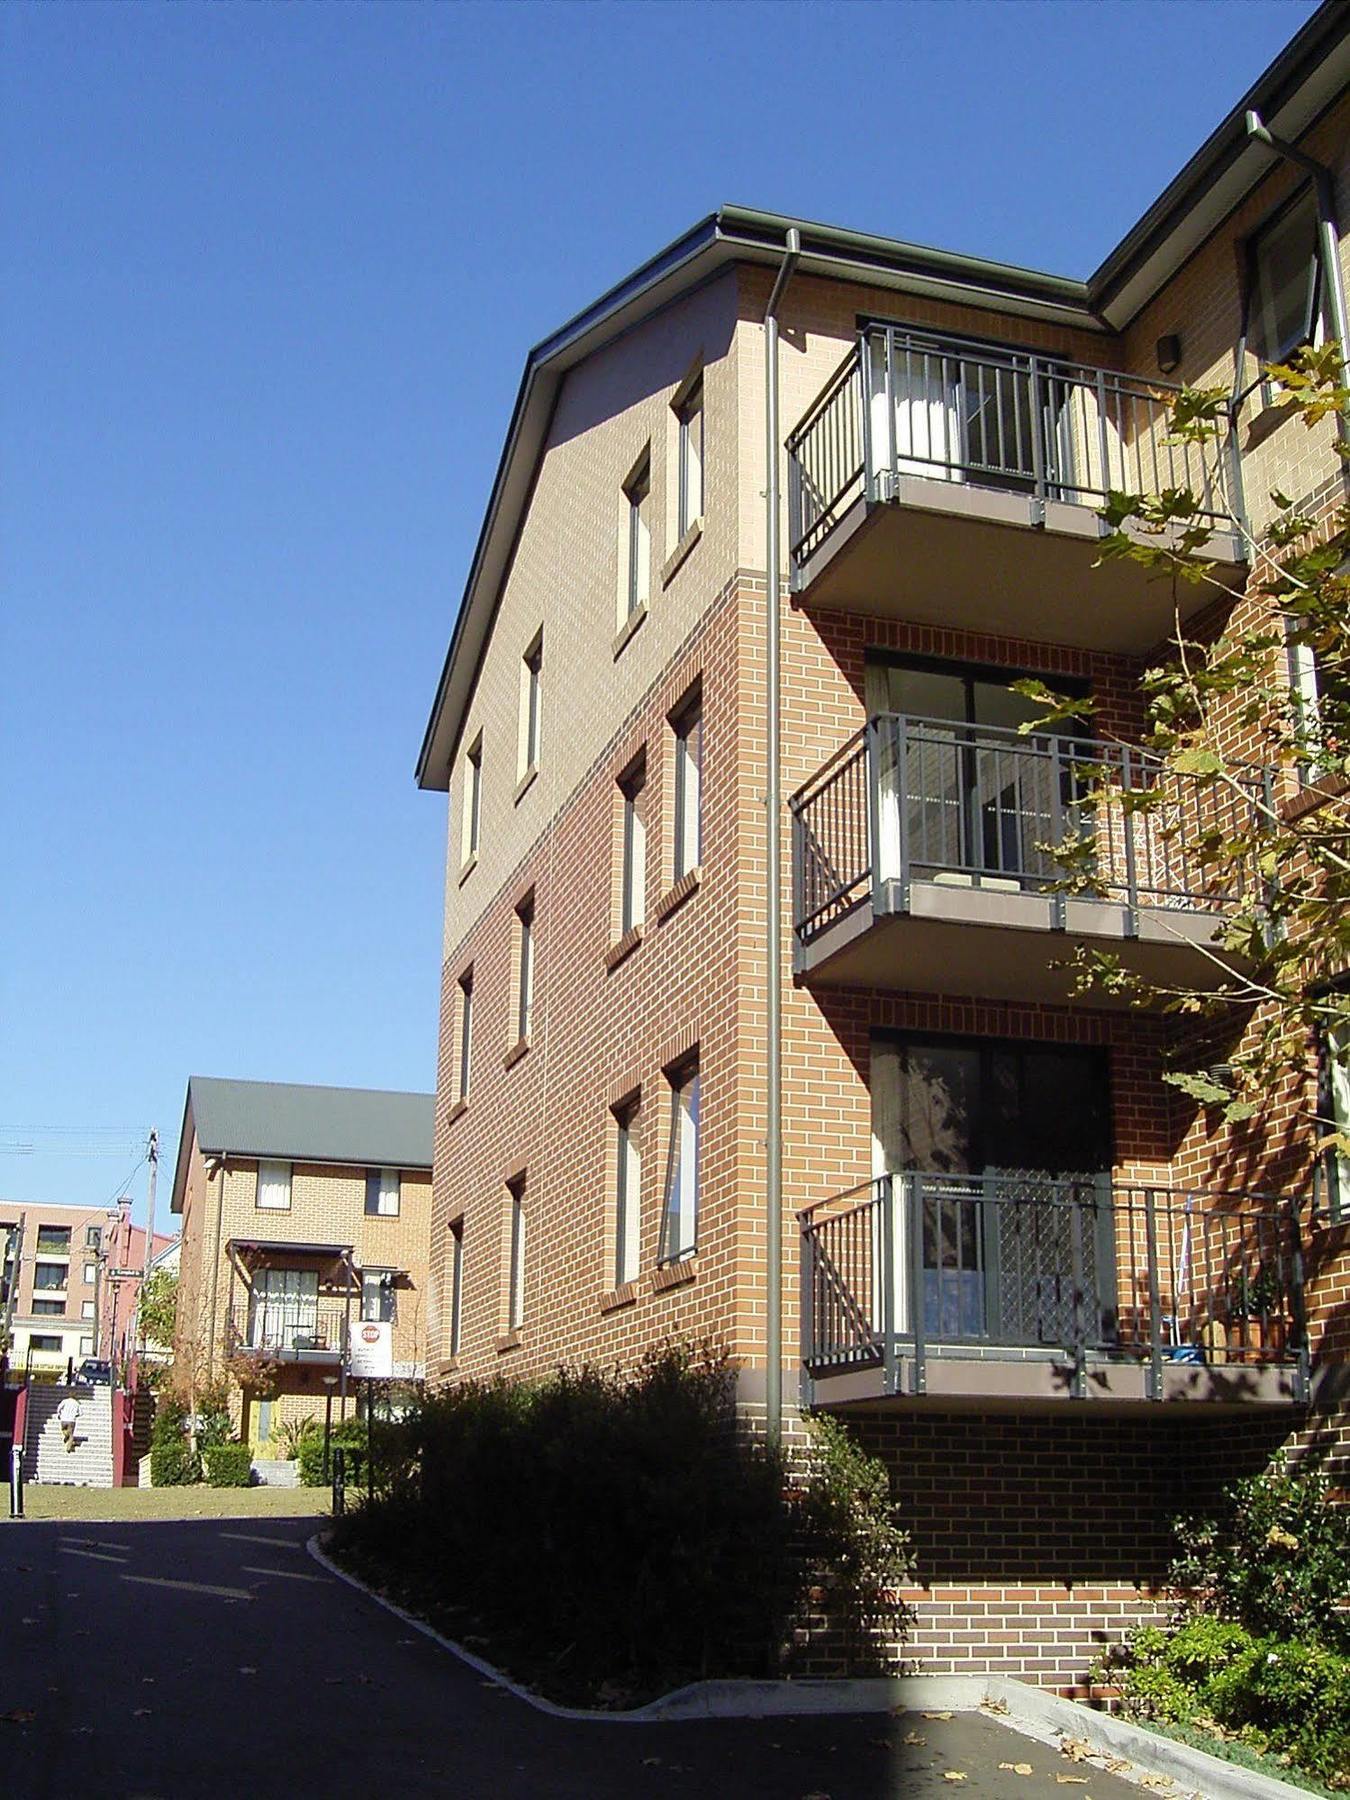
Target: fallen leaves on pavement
{"x": 1017, "y": 1768}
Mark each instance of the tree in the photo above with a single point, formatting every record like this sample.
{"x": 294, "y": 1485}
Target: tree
{"x": 158, "y": 1308}
{"x": 1281, "y": 958}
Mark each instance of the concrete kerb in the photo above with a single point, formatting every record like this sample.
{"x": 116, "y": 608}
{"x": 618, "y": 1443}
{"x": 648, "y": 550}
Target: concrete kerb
{"x": 1030, "y": 1711}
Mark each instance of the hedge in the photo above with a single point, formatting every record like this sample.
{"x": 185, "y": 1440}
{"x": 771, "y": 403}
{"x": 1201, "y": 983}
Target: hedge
{"x": 229, "y": 1465}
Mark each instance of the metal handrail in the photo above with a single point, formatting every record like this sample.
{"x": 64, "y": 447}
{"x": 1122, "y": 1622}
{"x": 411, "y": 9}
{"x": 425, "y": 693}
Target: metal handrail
{"x": 1080, "y": 1264}
{"x": 916, "y": 798}
{"x": 910, "y": 402}
{"x": 276, "y": 1327}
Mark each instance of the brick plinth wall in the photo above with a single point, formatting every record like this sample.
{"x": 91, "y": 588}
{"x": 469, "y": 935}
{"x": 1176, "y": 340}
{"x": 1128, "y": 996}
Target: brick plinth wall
{"x": 1049, "y": 1635}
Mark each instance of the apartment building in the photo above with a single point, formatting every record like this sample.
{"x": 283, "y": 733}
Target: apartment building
{"x": 305, "y": 1212}
{"x": 52, "y": 1278}
{"x": 1039, "y": 1280}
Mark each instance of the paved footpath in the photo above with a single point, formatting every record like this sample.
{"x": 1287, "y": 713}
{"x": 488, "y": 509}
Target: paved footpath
{"x": 214, "y": 1658}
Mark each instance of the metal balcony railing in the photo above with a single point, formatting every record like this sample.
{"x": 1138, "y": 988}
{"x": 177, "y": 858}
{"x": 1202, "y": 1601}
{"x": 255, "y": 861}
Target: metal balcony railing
{"x": 1021, "y": 1260}
{"x": 907, "y": 402}
{"x": 287, "y": 1328}
{"x": 933, "y": 799}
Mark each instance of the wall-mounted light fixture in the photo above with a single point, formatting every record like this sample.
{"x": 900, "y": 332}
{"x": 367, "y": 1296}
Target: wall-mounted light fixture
{"x": 1169, "y": 352}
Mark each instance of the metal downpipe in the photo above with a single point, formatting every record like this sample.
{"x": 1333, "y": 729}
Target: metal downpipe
{"x": 773, "y": 806}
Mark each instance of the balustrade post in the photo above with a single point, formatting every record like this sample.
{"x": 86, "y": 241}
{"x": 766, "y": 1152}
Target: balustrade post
{"x": 885, "y": 1195}
{"x": 1038, "y": 430}
{"x": 1103, "y": 487}
{"x": 1127, "y": 832}
{"x": 914, "y": 1212}
{"x": 1298, "y": 1304}
{"x": 807, "y": 1305}
{"x": 1154, "y": 1296}
{"x": 865, "y": 388}
{"x": 872, "y": 738}
{"x": 1076, "y": 1275}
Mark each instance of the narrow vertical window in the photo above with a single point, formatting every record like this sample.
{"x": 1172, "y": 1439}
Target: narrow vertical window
{"x": 627, "y": 1193}
{"x": 1336, "y": 1111}
{"x": 456, "y": 1285}
{"x": 382, "y": 1193}
{"x": 637, "y": 492}
{"x": 515, "y": 1294}
{"x": 274, "y": 1186}
{"x": 632, "y": 891}
{"x": 465, "y": 1031}
{"x": 690, "y": 415}
{"x": 1285, "y": 282}
{"x": 531, "y": 706}
{"x": 524, "y": 967}
{"x": 688, "y": 730}
{"x": 679, "y": 1213}
{"x": 473, "y": 800}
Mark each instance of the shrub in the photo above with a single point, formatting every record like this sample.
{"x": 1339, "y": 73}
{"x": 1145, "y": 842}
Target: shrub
{"x": 1277, "y": 1560}
{"x": 347, "y": 1434}
{"x": 173, "y": 1462}
{"x": 616, "y": 1536}
{"x": 229, "y": 1465}
{"x": 291, "y": 1433}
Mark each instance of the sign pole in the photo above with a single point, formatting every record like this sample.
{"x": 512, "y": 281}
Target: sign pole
{"x": 370, "y": 1442}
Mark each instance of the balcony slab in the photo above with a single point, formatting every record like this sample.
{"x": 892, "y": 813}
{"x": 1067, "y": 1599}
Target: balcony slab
{"x": 951, "y": 936}
{"x": 981, "y": 559}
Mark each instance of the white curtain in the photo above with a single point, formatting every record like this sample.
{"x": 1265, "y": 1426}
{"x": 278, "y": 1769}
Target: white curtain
{"x": 284, "y": 1305}
{"x": 923, "y": 429}
{"x": 274, "y": 1186}
{"x": 886, "y": 1137}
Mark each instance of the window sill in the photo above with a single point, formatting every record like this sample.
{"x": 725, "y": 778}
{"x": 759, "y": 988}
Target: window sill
{"x": 629, "y": 629}
{"x": 617, "y": 1298}
{"x": 675, "y": 897}
{"x": 525, "y": 783}
{"x": 509, "y": 1340}
{"x": 672, "y": 563}
{"x": 623, "y": 947}
{"x": 514, "y": 1054}
{"x": 467, "y": 868}
{"x": 1311, "y": 795}
{"x": 675, "y": 1274}
{"x": 448, "y": 1365}
{"x": 457, "y": 1111}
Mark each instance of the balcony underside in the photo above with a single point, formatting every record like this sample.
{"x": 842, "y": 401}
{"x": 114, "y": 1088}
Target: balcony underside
{"x": 976, "y": 558}
{"x": 957, "y": 1378}
{"x": 958, "y": 938}
{"x": 315, "y": 1356}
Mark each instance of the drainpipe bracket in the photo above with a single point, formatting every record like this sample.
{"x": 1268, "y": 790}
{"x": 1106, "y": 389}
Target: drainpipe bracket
{"x": 1037, "y": 510}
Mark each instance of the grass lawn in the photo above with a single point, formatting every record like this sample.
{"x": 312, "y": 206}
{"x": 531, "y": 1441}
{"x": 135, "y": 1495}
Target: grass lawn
{"x": 115, "y": 1504}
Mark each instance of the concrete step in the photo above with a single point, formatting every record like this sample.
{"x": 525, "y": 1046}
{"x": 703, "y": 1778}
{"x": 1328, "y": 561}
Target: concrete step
{"x": 89, "y": 1464}
{"x": 276, "y": 1473}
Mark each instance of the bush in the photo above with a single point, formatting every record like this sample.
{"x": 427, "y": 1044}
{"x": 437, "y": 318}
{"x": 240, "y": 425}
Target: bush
{"x": 1277, "y": 1560}
{"x": 614, "y": 1536}
{"x": 229, "y": 1465}
{"x": 349, "y": 1435}
{"x": 173, "y": 1462}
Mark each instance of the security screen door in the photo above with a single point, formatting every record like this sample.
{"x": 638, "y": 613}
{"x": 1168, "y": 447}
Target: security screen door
{"x": 997, "y": 1129}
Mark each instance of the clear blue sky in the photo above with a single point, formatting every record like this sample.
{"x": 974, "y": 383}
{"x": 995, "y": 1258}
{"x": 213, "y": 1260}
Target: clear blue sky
{"x": 268, "y": 275}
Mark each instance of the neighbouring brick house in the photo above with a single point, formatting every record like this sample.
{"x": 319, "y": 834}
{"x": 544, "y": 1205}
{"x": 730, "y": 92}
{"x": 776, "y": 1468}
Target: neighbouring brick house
{"x": 1037, "y": 1279}
{"x": 58, "y": 1261}
{"x": 305, "y": 1211}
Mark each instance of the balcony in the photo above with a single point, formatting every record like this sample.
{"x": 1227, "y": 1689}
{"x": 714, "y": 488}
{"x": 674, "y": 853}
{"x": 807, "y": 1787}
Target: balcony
{"x": 922, "y": 843}
{"x": 957, "y": 485}
{"x": 1021, "y": 1288}
{"x": 313, "y": 1332}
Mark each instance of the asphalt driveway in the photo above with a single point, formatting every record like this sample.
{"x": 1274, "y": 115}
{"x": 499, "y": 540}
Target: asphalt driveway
{"x": 215, "y": 1658}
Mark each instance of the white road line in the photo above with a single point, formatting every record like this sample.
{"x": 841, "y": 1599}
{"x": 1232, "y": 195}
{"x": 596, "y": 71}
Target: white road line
{"x": 93, "y": 1555}
{"x": 249, "y": 1537}
{"x": 192, "y": 1587}
{"x": 284, "y": 1574}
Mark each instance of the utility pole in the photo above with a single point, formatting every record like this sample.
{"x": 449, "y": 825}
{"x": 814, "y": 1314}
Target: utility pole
{"x": 152, "y": 1156}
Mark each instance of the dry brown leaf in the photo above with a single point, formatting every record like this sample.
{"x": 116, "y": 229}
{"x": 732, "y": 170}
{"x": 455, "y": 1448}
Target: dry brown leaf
{"x": 1071, "y": 1780}
{"x": 937, "y": 1715}
{"x": 1075, "y": 1749}
{"x": 953, "y": 1775}
{"x": 994, "y": 1706}
{"x": 1161, "y": 1784}
{"x": 1017, "y": 1768}
{"x": 912, "y": 1737}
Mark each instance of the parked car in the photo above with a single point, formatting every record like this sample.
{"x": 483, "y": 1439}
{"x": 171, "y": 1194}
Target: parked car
{"x": 96, "y": 1371}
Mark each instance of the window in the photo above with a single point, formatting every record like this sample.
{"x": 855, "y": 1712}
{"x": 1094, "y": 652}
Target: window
{"x": 679, "y": 1215}
{"x": 44, "y": 1345}
{"x": 49, "y": 1277}
{"x": 53, "y": 1240}
{"x": 637, "y": 494}
{"x": 473, "y": 800}
{"x": 86, "y": 1346}
{"x": 689, "y": 502}
{"x": 43, "y": 1309}
{"x": 87, "y": 1309}
{"x": 274, "y": 1186}
{"x": 1336, "y": 1111}
{"x": 688, "y": 728}
{"x": 456, "y": 1285}
{"x": 90, "y": 1274}
{"x": 382, "y": 1193}
{"x": 465, "y": 1030}
{"x": 531, "y": 704}
{"x": 627, "y": 1193}
{"x": 283, "y": 1311}
{"x": 515, "y": 1289}
{"x": 524, "y": 967}
{"x": 93, "y": 1237}
{"x": 1285, "y": 282}
{"x": 377, "y": 1295}
{"x": 633, "y": 872}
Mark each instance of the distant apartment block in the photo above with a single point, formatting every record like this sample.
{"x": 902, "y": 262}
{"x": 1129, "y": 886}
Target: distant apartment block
{"x": 305, "y": 1211}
